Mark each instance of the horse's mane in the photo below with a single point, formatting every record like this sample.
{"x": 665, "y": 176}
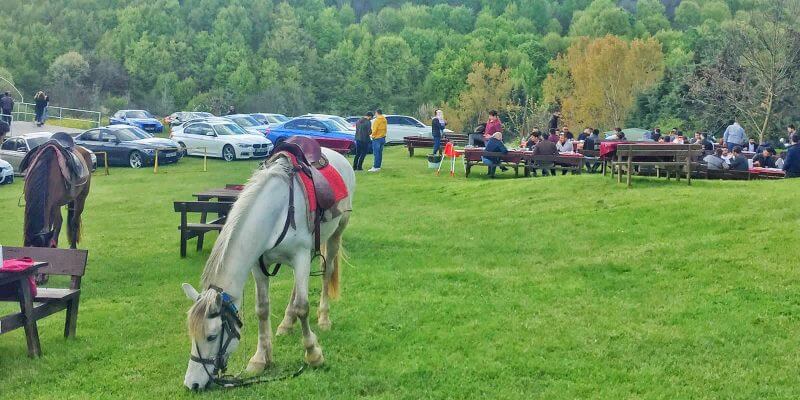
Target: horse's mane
{"x": 277, "y": 167}
{"x": 36, "y": 189}
{"x": 205, "y": 305}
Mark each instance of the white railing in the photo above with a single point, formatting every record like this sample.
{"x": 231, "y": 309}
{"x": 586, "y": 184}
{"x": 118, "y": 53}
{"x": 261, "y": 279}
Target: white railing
{"x": 27, "y": 112}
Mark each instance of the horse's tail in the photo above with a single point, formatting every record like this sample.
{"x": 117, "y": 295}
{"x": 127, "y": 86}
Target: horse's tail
{"x": 36, "y": 208}
{"x": 333, "y": 251}
{"x": 333, "y": 282}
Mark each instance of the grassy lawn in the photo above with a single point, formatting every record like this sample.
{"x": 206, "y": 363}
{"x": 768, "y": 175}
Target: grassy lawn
{"x": 554, "y": 288}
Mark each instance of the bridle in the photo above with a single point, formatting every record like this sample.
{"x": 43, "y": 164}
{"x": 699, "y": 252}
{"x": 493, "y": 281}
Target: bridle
{"x": 231, "y": 329}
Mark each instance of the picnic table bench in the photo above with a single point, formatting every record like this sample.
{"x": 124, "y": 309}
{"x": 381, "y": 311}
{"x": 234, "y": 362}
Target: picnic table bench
{"x": 419, "y": 142}
{"x": 512, "y": 159}
{"x": 677, "y": 158}
{"x": 560, "y": 162}
{"x": 48, "y": 301}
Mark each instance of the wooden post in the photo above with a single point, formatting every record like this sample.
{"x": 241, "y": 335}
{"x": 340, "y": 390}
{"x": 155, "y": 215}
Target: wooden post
{"x": 630, "y": 164}
{"x": 689, "y": 167}
{"x": 31, "y": 331}
{"x": 205, "y": 159}
{"x": 155, "y": 163}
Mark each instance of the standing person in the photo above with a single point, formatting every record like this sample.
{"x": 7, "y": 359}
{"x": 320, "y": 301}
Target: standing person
{"x": 41, "y": 103}
{"x": 46, "y": 107}
{"x": 437, "y": 129}
{"x": 493, "y": 125}
{"x": 378, "y": 140}
{"x": 554, "y": 120}
{"x": 231, "y": 110}
{"x": 363, "y": 130}
{"x": 6, "y": 107}
{"x": 792, "y": 162}
{"x": 734, "y": 135}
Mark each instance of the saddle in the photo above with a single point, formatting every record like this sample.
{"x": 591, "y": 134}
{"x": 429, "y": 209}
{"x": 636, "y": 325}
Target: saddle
{"x": 310, "y": 160}
{"x": 70, "y": 162}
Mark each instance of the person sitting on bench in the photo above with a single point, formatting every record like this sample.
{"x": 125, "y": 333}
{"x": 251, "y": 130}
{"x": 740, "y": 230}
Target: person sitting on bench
{"x": 715, "y": 161}
{"x": 764, "y": 159}
{"x": 545, "y": 148}
{"x": 533, "y": 139}
{"x": 738, "y": 162}
{"x": 494, "y": 145}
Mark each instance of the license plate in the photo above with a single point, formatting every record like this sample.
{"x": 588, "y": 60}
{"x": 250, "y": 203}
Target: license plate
{"x": 170, "y": 155}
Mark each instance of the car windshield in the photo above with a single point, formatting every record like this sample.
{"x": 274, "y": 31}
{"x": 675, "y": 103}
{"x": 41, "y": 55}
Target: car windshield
{"x": 200, "y": 115}
{"x": 246, "y": 121}
{"x": 280, "y": 118}
{"x": 341, "y": 121}
{"x": 132, "y": 133}
{"x": 335, "y": 125}
{"x": 137, "y": 114}
{"x": 37, "y": 141}
{"x": 229, "y": 129}
{"x": 261, "y": 118}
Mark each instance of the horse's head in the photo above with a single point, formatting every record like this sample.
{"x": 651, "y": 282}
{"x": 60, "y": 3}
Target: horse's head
{"x": 214, "y": 327}
{"x": 41, "y": 239}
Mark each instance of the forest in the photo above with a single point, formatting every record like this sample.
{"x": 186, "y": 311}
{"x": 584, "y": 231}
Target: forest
{"x": 692, "y": 64}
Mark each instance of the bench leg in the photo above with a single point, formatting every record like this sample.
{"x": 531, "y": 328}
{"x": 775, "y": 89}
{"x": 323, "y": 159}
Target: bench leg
{"x": 72, "y": 317}
{"x": 183, "y": 243}
{"x": 201, "y": 235}
{"x": 31, "y": 330}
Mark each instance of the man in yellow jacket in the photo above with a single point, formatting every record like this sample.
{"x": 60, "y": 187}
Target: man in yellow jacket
{"x": 378, "y": 139}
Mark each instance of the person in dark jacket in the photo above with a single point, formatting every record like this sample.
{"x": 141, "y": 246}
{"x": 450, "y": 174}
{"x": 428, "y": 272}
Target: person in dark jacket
{"x": 792, "y": 162}
{"x": 533, "y": 139}
{"x": 41, "y": 103}
{"x": 363, "y": 130}
{"x": 764, "y": 159}
{"x": 6, "y": 107}
{"x": 494, "y": 145}
{"x": 476, "y": 137}
{"x": 545, "y": 148}
{"x": 554, "y": 120}
{"x": 437, "y": 129}
{"x": 738, "y": 162}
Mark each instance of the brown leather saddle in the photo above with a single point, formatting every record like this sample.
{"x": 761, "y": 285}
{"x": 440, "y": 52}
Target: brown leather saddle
{"x": 310, "y": 159}
{"x": 70, "y": 162}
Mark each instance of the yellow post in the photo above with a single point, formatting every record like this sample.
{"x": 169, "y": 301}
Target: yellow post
{"x": 205, "y": 159}
{"x": 155, "y": 163}
{"x": 105, "y": 160}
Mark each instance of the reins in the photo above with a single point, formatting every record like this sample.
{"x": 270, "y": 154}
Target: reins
{"x": 231, "y": 323}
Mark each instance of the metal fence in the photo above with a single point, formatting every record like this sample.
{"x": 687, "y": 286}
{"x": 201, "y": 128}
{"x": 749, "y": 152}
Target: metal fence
{"x": 27, "y": 112}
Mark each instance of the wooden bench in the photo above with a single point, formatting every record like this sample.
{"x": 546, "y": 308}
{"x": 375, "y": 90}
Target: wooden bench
{"x": 671, "y": 158}
{"x": 726, "y": 174}
{"x": 472, "y": 157}
{"x": 555, "y": 162}
{"x": 191, "y": 230}
{"x": 420, "y": 142}
{"x": 458, "y": 139}
{"x": 61, "y": 262}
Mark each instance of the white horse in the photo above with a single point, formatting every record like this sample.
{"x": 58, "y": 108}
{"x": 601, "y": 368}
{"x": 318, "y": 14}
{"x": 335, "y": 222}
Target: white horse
{"x": 254, "y": 225}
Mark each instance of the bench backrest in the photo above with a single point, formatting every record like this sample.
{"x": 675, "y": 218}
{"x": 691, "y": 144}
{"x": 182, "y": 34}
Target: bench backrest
{"x": 202, "y": 206}
{"x": 679, "y": 151}
{"x": 66, "y": 262}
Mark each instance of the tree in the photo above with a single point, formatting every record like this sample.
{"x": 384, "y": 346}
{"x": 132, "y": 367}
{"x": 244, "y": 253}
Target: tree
{"x": 488, "y": 88}
{"x": 599, "y": 80}
{"x": 688, "y": 14}
{"x": 757, "y": 69}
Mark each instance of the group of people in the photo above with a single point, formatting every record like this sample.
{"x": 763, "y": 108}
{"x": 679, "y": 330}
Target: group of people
{"x": 41, "y": 101}
{"x": 6, "y": 107}
{"x": 371, "y": 130}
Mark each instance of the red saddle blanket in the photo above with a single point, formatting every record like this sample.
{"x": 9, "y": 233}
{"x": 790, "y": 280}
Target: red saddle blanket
{"x": 331, "y": 175}
{"x": 15, "y": 265}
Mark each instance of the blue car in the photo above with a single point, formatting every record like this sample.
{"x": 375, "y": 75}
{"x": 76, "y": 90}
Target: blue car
{"x": 138, "y": 118}
{"x": 327, "y": 132}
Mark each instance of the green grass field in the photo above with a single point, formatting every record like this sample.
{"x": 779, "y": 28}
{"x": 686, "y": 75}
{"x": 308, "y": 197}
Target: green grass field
{"x": 554, "y": 288}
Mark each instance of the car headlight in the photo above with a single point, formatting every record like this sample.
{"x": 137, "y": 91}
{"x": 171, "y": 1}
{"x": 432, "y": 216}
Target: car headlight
{"x": 245, "y": 146}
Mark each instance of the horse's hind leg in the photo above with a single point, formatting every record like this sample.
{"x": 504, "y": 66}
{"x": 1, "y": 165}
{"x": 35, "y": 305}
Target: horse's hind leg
{"x": 330, "y": 284}
{"x": 287, "y": 324}
{"x": 58, "y": 221}
{"x": 299, "y": 308}
{"x": 263, "y": 357}
{"x": 75, "y": 209}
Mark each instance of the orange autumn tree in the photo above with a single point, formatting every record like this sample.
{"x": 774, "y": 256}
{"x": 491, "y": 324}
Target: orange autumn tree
{"x": 598, "y": 80}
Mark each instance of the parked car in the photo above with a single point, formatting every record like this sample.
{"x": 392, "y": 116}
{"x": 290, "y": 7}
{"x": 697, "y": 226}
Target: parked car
{"x": 352, "y": 120}
{"x": 180, "y": 117}
{"x": 400, "y": 126}
{"x": 139, "y": 118}
{"x": 249, "y": 123}
{"x": 327, "y": 132}
{"x": 127, "y": 145}
{"x": 15, "y": 148}
{"x": 220, "y": 137}
{"x": 6, "y": 173}
{"x": 270, "y": 119}
{"x": 335, "y": 118}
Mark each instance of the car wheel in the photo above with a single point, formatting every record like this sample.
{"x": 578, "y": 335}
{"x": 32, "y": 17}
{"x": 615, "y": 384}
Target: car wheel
{"x": 182, "y": 148}
{"x": 135, "y": 160}
{"x": 227, "y": 153}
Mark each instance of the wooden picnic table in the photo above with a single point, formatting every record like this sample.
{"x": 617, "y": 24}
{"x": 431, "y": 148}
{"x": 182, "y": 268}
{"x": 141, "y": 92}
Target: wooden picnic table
{"x": 768, "y": 173}
{"x": 26, "y": 318}
{"x": 221, "y": 194}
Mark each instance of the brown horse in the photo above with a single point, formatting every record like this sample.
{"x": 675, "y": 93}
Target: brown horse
{"x": 49, "y": 185}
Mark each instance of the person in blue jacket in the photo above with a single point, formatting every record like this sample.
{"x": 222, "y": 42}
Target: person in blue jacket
{"x": 792, "y": 163}
{"x": 494, "y": 145}
{"x": 437, "y": 129}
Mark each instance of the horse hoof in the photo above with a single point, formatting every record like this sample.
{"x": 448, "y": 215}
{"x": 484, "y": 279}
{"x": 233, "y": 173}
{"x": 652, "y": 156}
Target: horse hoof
{"x": 314, "y": 358}
{"x": 283, "y": 331}
{"x": 255, "y": 368}
{"x": 324, "y": 325}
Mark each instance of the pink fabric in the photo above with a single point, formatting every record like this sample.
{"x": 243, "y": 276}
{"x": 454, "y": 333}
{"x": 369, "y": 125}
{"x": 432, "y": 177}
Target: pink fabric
{"x": 767, "y": 171}
{"x": 20, "y": 264}
{"x": 492, "y": 127}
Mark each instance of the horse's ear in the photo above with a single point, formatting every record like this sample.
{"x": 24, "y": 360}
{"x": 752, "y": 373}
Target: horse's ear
{"x": 191, "y": 293}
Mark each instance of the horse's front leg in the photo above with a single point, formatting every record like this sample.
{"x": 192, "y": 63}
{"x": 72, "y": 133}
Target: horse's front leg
{"x": 299, "y": 308}
{"x": 263, "y": 357}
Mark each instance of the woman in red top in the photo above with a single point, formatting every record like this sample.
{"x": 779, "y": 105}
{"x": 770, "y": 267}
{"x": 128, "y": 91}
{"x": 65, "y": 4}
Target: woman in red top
{"x": 493, "y": 125}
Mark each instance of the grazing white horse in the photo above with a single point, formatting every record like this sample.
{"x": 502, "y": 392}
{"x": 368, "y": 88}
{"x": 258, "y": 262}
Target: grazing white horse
{"x": 253, "y": 227}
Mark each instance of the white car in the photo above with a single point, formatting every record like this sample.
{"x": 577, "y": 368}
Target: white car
{"x": 400, "y": 126}
{"x": 272, "y": 120}
{"x": 219, "y": 137}
{"x": 6, "y": 173}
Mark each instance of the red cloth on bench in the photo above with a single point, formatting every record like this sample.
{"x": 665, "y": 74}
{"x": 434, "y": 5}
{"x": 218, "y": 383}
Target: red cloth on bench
{"x": 331, "y": 175}
{"x": 16, "y": 265}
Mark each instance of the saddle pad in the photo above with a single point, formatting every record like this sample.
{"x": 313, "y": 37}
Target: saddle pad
{"x": 333, "y": 178}
{"x": 15, "y": 265}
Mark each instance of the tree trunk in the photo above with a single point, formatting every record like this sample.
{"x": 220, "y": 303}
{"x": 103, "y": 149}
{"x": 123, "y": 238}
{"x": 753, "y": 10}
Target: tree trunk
{"x": 770, "y": 100}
